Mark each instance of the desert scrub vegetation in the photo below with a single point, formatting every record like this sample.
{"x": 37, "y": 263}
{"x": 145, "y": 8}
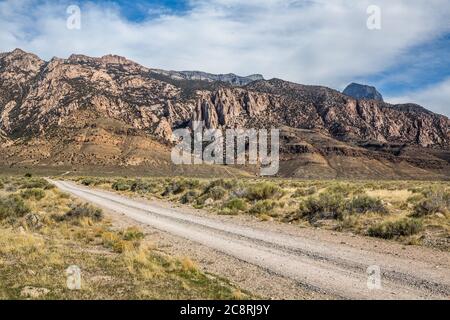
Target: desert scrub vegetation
{"x": 302, "y": 192}
{"x": 34, "y": 193}
{"x": 364, "y": 203}
{"x": 263, "y": 191}
{"x": 92, "y": 181}
{"x": 325, "y": 206}
{"x": 143, "y": 187}
{"x": 39, "y": 240}
{"x": 189, "y": 197}
{"x": 215, "y": 193}
{"x": 81, "y": 210}
{"x": 122, "y": 185}
{"x": 36, "y": 183}
{"x": 344, "y": 189}
{"x": 266, "y": 207}
{"x": 233, "y": 207}
{"x": 432, "y": 202}
{"x": 12, "y": 207}
{"x": 346, "y": 206}
{"x": 393, "y": 229}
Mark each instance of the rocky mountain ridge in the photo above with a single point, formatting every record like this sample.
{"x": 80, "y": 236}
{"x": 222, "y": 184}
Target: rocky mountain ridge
{"x": 103, "y": 106}
{"x": 230, "y": 78}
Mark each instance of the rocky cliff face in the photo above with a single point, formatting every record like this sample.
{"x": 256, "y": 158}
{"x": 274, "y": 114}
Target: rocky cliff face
{"x": 360, "y": 91}
{"x": 38, "y": 95}
{"x": 39, "y": 100}
{"x": 279, "y": 103}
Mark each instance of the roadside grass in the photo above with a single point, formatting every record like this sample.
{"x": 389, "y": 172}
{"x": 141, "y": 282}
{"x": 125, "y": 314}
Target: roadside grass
{"x": 359, "y": 207}
{"x": 40, "y": 239}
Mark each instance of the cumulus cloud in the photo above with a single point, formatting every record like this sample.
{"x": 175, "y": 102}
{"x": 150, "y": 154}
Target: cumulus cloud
{"x": 436, "y": 97}
{"x": 306, "y": 41}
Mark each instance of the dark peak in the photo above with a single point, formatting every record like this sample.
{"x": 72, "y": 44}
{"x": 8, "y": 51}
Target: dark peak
{"x": 362, "y": 91}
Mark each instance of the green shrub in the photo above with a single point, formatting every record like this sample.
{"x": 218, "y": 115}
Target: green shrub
{"x": 235, "y": 204}
{"x": 93, "y": 181}
{"x": 2, "y": 185}
{"x": 88, "y": 181}
{"x": 189, "y": 196}
{"x": 303, "y": 192}
{"x": 217, "y": 193}
{"x": 227, "y": 184}
{"x": 263, "y": 191}
{"x": 12, "y": 206}
{"x": 143, "y": 187}
{"x": 28, "y": 175}
{"x": 365, "y": 203}
{"x": 264, "y": 207}
{"x": 389, "y": 230}
{"x": 325, "y": 206}
{"x": 344, "y": 189}
{"x": 85, "y": 210}
{"x": 433, "y": 203}
{"x": 180, "y": 186}
{"x": 37, "y": 183}
{"x": 35, "y": 193}
{"x": 193, "y": 183}
{"x": 121, "y": 185}
{"x": 348, "y": 222}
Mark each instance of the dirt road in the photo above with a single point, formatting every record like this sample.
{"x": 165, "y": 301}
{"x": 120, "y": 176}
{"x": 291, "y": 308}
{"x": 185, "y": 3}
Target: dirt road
{"x": 310, "y": 259}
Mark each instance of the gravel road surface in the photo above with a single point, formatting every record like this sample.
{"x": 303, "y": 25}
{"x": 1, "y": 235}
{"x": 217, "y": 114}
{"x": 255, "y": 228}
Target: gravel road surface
{"x": 332, "y": 268}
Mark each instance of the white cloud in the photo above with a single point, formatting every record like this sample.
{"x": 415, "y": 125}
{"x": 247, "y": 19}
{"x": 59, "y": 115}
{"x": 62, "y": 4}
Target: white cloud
{"x": 436, "y": 97}
{"x": 306, "y": 41}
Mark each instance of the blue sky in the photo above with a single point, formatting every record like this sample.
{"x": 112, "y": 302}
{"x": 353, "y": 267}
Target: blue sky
{"x": 140, "y": 10}
{"x": 305, "y": 41}
{"x": 421, "y": 67}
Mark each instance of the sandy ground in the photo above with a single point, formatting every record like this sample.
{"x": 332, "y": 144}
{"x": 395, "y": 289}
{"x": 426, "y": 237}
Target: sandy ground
{"x": 281, "y": 261}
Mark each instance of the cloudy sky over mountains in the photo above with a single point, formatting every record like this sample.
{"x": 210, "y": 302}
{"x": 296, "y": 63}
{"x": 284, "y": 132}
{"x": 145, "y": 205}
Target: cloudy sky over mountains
{"x": 306, "y": 41}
